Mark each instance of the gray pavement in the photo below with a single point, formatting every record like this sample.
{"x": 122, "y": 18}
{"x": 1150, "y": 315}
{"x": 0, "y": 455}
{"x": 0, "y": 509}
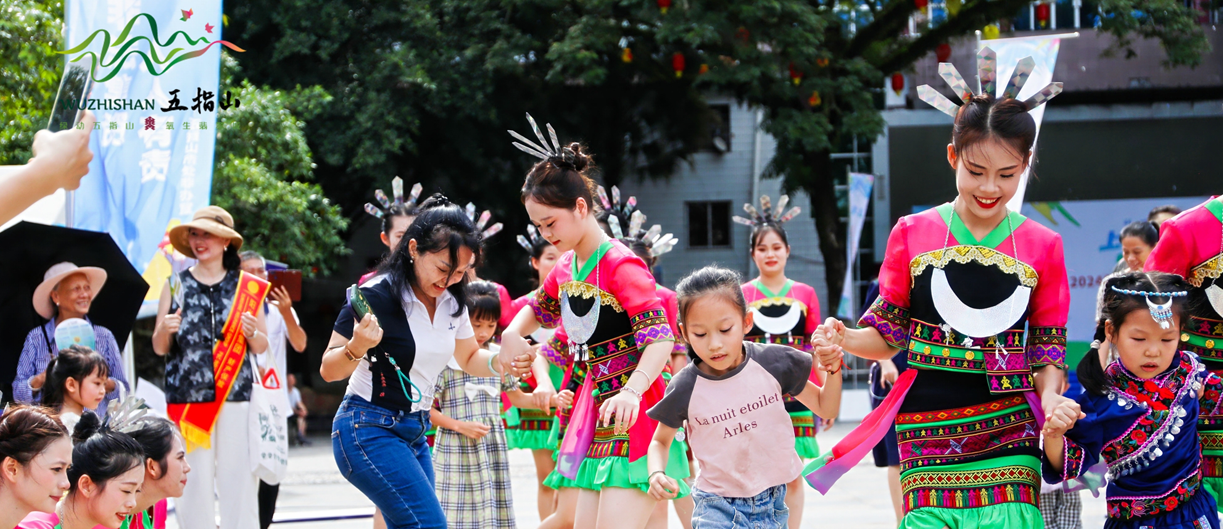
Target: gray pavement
{"x": 314, "y": 488}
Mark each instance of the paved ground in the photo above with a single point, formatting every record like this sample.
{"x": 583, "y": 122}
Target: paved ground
{"x": 314, "y": 489}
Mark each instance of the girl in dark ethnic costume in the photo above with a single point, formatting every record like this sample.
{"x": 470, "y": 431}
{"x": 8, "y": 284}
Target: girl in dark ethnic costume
{"x": 958, "y": 286}
{"x": 615, "y": 324}
{"x": 1141, "y": 412}
{"x": 784, "y": 312}
{"x": 1191, "y": 246}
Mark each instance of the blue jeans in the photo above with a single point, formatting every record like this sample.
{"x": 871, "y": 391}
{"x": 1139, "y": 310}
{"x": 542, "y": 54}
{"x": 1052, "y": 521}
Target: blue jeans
{"x": 766, "y": 510}
{"x": 383, "y": 453}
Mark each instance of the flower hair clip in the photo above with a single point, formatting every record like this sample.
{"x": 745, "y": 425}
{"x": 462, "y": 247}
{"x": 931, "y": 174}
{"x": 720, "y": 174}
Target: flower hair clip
{"x": 1160, "y": 312}
{"x": 483, "y": 221}
{"x": 767, "y": 214}
{"x": 987, "y": 72}
{"x": 397, "y": 190}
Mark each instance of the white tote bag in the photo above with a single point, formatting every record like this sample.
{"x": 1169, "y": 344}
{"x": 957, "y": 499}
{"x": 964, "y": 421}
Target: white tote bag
{"x": 269, "y": 426}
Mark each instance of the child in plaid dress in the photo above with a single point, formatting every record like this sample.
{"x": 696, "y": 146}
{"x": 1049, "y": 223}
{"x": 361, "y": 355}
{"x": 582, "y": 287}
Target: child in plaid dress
{"x": 469, "y": 452}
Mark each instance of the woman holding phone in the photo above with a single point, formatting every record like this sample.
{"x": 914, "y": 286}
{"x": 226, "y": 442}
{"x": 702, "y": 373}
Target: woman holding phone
{"x": 413, "y": 321}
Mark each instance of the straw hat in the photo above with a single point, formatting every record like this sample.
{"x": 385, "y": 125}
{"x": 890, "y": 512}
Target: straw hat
{"x": 212, "y": 219}
{"x": 57, "y": 273}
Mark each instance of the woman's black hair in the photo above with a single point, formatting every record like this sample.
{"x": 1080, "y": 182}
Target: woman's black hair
{"x": 25, "y": 431}
{"x": 156, "y": 438}
{"x": 1144, "y": 230}
{"x": 1115, "y": 307}
{"x": 984, "y": 117}
{"x": 483, "y": 301}
{"x": 101, "y": 453}
{"x": 439, "y": 226}
{"x": 710, "y": 280}
{"x": 559, "y": 184}
{"x": 230, "y": 259}
{"x": 76, "y": 362}
{"x": 393, "y": 212}
{"x": 761, "y": 230}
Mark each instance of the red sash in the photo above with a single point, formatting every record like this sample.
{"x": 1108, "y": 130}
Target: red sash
{"x": 196, "y": 420}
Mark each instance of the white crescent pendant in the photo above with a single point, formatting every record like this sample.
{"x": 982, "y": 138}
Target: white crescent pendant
{"x": 978, "y": 323}
{"x": 1214, "y": 293}
{"x": 778, "y": 324}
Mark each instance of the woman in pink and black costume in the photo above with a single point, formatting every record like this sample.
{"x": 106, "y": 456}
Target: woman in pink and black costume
{"x": 615, "y": 323}
{"x": 1191, "y": 246}
{"x": 959, "y": 285}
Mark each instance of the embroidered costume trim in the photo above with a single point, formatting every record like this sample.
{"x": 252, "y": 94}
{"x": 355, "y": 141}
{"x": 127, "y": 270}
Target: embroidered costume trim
{"x": 971, "y": 488}
{"x": 945, "y": 444}
{"x": 547, "y": 309}
{"x": 1046, "y": 346}
{"x": 1211, "y": 269}
{"x": 892, "y": 322}
{"x": 588, "y": 291}
{"x": 1127, "y": 508}
{"x": 965, "y": 254}
{"x": 651, "y": 326}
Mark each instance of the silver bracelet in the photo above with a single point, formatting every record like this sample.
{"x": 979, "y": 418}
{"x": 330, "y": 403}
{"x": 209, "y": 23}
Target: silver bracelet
{"x": 634, "y": 391}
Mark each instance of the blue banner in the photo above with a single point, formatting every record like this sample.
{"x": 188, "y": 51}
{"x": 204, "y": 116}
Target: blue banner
{"x": 156, "y": 100}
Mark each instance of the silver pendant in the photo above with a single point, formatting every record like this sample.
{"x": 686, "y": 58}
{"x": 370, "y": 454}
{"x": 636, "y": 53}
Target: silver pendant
{"x": 580, "y": 328}
{"x": 978, "y": 323}
{"x": 1161, "y": 312}
{"x": 1214, "y": 293}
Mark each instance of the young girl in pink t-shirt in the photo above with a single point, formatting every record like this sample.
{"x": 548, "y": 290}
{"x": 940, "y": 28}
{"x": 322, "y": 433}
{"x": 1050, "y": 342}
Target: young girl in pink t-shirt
{"x": 729, "y": 402}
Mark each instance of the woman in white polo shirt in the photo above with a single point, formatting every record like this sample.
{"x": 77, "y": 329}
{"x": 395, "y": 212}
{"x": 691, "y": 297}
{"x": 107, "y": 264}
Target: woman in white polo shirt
{"x": 418, "y": 322}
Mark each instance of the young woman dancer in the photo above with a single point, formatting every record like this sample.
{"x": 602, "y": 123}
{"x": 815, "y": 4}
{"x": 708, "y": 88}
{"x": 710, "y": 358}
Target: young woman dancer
{"x": 784, "y": 312}
{"x": 615, "y": 323}
{"x": 1191, "y": 246}
{"x": 536, "y": 429}
{"x": 747, "y": 455}
{"x": 35, "y": 452}
{"x": 958, "y": 286}
{"x": 1139, "y": 414}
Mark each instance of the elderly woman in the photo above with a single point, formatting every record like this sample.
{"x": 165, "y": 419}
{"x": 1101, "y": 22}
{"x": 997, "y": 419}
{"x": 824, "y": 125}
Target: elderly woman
{"x": 208, "y": 375}
{"x": 66, "y": 293}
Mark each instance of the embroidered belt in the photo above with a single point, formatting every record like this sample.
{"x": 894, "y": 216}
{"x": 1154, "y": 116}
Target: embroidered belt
{"x": 947, "y": 436}
{"x": 1001, "y": 358}
{"x": 804, "y": 424}
{"x": 611, "y": 364}
{"x": 534, "y": 420}
{"x": 971, "y": 488}
{"x": 1127, "y": 508}
{"x": 1203, "y": 337}
{"x": 607, "y": 444}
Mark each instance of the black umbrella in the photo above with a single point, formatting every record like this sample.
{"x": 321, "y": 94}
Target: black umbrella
{"x": 29, "y": 249}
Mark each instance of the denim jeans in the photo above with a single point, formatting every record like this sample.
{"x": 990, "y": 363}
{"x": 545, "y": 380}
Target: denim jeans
{"x": 383, "y": 453}
{"x": 766, "y": 510}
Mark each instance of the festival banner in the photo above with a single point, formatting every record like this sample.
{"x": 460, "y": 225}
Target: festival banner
{"x": 157, "y": 69}
{"x": 1043, "y": 51}
{"x": 1090, "y": 231}
{"x": 859, "y": 198}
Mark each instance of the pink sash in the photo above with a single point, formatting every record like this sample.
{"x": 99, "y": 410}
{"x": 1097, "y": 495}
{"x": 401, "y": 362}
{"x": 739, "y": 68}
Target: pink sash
{"x": 580, "y": 432}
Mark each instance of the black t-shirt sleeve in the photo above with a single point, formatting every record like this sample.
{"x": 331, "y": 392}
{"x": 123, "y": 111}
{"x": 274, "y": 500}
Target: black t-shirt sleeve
{"x": 345, "y": 322}
{"x": 672, "y": 410}
{"x": 791, "y": 367}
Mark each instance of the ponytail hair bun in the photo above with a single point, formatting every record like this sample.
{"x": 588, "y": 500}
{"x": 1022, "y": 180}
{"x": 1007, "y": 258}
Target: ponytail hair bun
{"x": 983, "y": 118}
{"x": 101, "y": 453}
{"x": 25, "y": 431}
{"x": 560, "y": 181}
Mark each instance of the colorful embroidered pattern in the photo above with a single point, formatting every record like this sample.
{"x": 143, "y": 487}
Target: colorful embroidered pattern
{"x": 959, "y": 413}
{"x": 965, "y": 254}
{"x": 547, "y": 309}
{"x": 557, "y": 352}
{"x": 797, "y": 342}
{"x": 1203, "y": 337}
{"x": 586, "y": 290}
{"x": 937, "y": 334}
{"x": 971, "y": 488}
{"x": 1046, "y": 346}
{"x": 607, "y": 444}
{"x": 534, "y": 420}
{"x": 1073, "y": 458}
{"x": 1128, "y": 508}
{"x": 949, "y": 444}
{"x": 892, "y": 321}
{"x": 804, "y": 424}
{"x": 1211, "y": 269}
{"x": 1212, "y": 466}
{"x": 651, "y": 326}
{"x": 1164, "y": 399}
{"x": 776, "y": 302}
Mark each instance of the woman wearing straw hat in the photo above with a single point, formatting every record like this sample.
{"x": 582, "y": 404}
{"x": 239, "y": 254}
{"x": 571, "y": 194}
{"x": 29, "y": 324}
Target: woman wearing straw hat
{"x": 211, "y": 405}
{"x": 66, "y": 292}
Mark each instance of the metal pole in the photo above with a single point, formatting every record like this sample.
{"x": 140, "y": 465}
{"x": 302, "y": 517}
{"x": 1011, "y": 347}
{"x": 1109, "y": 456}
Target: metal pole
{"x": 69, "y": 208}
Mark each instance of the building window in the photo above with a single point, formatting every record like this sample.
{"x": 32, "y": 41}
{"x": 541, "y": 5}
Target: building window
{"x": 719, "y": 128}
{"x": 709, "y": 224}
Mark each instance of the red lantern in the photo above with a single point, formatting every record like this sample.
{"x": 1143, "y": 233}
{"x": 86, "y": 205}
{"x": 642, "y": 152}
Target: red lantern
{"x": 626, "y": 55}
{"x": 898, "y": 82}
{"x": 677, "y": 64}
{"x": 814, "y": 100}
{"x": 795, "y": 76}
{"x": 704, "y": 69}
{"x": 663, "y": 5}
{"x": 943, "y": 52}
{"x": 921, "y": 4}
{"x": 821, "y": 62}
{"x": 1042, "y": 14}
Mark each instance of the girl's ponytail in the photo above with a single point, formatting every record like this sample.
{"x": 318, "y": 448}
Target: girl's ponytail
{"x": 52, "y": 386}
{"x": 1091, "y": 370}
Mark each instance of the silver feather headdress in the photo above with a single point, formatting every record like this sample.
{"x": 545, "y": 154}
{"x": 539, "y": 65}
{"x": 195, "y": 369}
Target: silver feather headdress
{"x": 553, "y": 152}
{"x": 532, "y": 238}
{"x": 987, "y": 73}
{"x": 124, "y": 415}
{"x": 620, "y": 212}
{"x": 397, "y": 191}
{"x": 483, "y": 221}
{"x": 767, "y": 214}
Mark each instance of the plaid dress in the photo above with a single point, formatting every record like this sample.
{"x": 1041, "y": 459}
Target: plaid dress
{"x": 473, "y": 477}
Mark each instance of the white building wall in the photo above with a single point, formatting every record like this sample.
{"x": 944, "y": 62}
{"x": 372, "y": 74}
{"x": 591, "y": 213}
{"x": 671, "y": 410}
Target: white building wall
{"x": 728, "y": 176}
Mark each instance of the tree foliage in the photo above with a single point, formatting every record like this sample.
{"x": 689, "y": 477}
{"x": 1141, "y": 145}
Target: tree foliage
{"x": 29, "y": 72}
{"x": 261, "y": 176}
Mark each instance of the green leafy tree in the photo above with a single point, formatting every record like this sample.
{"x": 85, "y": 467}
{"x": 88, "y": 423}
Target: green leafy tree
{"x": 263, "y": 168}
{"x": 29, "y": 72}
